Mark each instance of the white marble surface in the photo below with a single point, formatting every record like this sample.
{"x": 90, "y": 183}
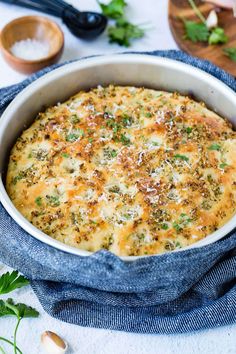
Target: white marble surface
{"x": 89, "y": 340}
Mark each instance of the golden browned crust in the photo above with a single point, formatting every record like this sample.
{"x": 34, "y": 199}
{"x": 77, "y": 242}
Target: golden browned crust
{"x": 132, "y": 170}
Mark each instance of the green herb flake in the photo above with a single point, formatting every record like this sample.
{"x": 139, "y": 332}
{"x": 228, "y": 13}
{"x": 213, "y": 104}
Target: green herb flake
{"x": 223, "y": 165}
{"x": 189, "y": 130}
{"x": 38, "y": 201}
{"x": 74, "y": 119}
{"x": 72, "y": 137}
{"x": 53, "y": 201}
{"x": 214, "y": 147}
{"x": 148, "y": 115}
{"x": 181, "y": 157}
{"x": 110, "y": 153}
{"x": 217, "y": 36}
{"x": 90, "y": 140}
{"x": 164, "y": 226}
{"x": 125, "y": 140}
{"x": 231, "y": 53}
{"x": 64, "y": 154}
{"x": 127, "y": 121}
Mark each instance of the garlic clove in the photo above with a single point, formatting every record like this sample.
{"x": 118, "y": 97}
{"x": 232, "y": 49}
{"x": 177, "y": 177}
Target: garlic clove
{"x": 212, "y": 20}
{"x": 52, "y": 343}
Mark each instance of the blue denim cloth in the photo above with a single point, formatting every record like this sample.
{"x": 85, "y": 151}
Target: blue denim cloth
{"x": 173, "y": 293}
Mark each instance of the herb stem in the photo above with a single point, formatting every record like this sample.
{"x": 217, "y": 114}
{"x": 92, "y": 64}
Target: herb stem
{"x": 197, "y": 11}
{"x": 11, "y": 343}
{"x": 15, "y": 332}
{"x": 2, "y": 350}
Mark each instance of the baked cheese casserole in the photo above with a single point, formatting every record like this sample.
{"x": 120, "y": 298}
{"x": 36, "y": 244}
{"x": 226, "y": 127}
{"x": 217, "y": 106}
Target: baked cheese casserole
{"x": 131, "y": 170}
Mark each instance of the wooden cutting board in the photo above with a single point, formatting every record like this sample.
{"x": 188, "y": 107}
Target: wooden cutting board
{"x": 214, "y": 53}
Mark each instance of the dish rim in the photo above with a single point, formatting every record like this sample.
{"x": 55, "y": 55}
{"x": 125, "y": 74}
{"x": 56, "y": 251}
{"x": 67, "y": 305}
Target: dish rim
{"x": 78, "y": 65}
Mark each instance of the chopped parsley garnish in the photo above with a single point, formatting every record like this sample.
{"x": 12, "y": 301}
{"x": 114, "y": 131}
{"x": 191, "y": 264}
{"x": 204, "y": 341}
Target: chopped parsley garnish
{"x": 114, "y": 189}
{"x": 72, "y": 137}
{"x": 164, "y": 226}
{"x": 189, "y": 130}
{"x": 17, "y": 178}
{"x": 64, "y": 154}
{"x": 181, "y": 157}
{"x": 90, "y": 140}
{"x": 110, "y": 153}
{"x": 230, "y": 52}
{"x": 125, "y": 140}
{"x": 74, "y": 119}
{"x": 214, "y": 147}
{"x": 148, "y": 114}
{"x": 183, "y": 221}
{"x": 53, "y": 200}
{"x": 127, "y": 121}
{"x": 223, "y": 165}
{"x": 38, "y": 201}
{"x": 111, "y": 123}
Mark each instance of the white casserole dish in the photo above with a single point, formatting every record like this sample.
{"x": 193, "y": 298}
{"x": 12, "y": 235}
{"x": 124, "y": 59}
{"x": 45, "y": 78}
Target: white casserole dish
{"x": 121, "y": 69}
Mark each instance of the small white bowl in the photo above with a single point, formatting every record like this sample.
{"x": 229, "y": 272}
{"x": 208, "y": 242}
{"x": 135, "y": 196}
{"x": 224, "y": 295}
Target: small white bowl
{"x": 121, "y": 69}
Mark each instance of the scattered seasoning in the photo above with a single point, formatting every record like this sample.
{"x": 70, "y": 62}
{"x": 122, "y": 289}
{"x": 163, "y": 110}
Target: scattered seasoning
{"x": 30, "y": 49}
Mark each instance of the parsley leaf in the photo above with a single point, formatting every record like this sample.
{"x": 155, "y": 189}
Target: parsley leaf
{"x": 164, "y": 226}
{"x": 123, "y": 32}
{"x": 217, "y": 36}
{"x": 38, "y": 201}
{"x": 125, "y": 140}
{"x": 12, "y": 281}
{"x": 230, "y": 52}
{"x": 115, "y": 8}
{"x": 214, "y": 147}
{"x": 72, "y": 137}
{"x": 8, "y": 307}
{"x": 223, "y": 165}
{"x": 196, "y": 32}
{"x": 53, "y": 201}
{"x": 181, "y": 157}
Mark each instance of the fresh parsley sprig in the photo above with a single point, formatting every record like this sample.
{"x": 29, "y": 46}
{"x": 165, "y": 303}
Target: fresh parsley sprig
{"x": 199, "y": 32}
{"x": 9, "y": 282}
{"x": 123, "y": 31}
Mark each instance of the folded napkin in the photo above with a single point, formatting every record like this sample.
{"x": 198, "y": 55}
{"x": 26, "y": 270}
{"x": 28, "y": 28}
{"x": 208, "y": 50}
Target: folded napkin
{"x": 173, "y": 293}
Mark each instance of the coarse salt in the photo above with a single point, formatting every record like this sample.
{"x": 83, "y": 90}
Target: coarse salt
{"x": 30, "y": 49}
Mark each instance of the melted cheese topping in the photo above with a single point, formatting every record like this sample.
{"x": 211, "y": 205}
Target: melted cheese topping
{"x": 131, "y": 170}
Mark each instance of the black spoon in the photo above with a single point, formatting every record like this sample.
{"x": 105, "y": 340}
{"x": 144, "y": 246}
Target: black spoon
{"x": 84, "y": 24}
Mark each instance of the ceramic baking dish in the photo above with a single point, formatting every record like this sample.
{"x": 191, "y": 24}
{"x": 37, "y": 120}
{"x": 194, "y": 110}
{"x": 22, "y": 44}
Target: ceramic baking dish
{"x": 121, "y": 69}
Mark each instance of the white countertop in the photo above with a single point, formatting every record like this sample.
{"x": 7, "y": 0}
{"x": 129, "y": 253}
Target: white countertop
{"x": 90, "y": 340}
